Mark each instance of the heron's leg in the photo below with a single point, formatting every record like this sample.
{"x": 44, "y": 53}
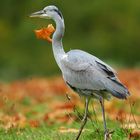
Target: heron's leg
{"x": 104, "y": 120}
{"x": 84, "y": 120}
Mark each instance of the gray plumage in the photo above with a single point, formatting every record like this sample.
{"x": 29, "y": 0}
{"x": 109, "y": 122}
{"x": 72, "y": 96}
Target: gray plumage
{"x": 85, "y": 72}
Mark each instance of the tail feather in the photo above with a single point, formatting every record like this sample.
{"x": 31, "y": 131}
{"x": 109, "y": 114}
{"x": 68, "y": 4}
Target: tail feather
{"x": 120, "y": 95}
{"x": 117, "y": 89}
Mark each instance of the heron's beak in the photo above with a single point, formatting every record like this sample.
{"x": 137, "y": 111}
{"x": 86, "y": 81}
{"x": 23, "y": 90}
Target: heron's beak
{"x": 38, "y": 14}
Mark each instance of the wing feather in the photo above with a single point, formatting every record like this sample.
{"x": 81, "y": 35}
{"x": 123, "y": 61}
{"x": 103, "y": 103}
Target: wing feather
{"x": 78, "y": 60}
{"x": 106, "y": 69}
{"x": 85, "y": 71}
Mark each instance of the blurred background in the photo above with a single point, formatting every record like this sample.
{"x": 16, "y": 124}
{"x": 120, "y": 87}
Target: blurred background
{"x": 33, "y": 94}
{"x": 108, "y": 29}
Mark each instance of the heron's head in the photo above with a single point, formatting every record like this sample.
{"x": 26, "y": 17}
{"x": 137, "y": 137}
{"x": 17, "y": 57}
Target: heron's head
{"x": 49, "y": 12}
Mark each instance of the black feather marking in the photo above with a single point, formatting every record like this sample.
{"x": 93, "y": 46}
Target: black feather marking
{"x": 85, "y": 90}
{"x": 78, "y": 89}
{"x": 105, "y": 69}
{"x": 59, "y": 13}
{"x": 119, "y": 95}
{"x": 117, "y": 82}
{"x": 120, "y": 84}
{"x": 72, "y": 87}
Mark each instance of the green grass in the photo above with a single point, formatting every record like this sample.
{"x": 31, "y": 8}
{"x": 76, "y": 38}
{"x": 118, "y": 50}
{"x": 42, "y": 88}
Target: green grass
{"x": 44, "y": 132}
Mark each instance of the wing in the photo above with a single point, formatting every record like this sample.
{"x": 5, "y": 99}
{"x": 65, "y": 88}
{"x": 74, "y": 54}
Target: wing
{"x": 85, "y": 71}
{"x": 78, "y": 60}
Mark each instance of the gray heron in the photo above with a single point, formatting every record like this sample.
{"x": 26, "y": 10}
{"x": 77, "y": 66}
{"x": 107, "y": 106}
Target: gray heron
{"x": 86, "y": 74}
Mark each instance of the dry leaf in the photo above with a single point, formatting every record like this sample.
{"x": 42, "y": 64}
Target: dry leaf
{"x": 34, "y": 123}
{"x": 134, "y": 134}
{"x": 69, "y": 130}
{"x": 45, "y": 33}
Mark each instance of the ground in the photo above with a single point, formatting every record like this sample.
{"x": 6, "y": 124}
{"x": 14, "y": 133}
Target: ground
{"x": 45, "y": 109}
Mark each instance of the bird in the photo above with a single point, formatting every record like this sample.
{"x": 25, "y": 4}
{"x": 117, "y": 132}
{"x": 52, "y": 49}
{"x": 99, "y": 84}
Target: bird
{"x": 83, "y": 72}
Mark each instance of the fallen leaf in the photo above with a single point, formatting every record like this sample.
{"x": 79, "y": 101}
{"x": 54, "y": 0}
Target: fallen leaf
{"x": 69, "y": 130}
{"x": 34, "y": 123}
{"x": 135, "y": 134}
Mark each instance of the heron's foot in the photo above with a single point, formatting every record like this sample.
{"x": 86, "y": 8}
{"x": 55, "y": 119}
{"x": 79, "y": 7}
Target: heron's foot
{"x": 108, "y": 134}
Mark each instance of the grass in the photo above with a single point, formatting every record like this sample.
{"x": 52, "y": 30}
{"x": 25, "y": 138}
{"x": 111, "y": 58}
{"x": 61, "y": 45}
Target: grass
{"x": 52, "y": 132}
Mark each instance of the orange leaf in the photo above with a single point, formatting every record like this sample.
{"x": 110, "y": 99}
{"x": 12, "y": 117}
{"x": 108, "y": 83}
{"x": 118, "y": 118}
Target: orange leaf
{"x": 134, "y": 134}
{"x": 34, "y": 123}
{"x": 45, "y": 33}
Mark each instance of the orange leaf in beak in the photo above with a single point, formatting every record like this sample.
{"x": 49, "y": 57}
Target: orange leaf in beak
{"x": 45, "y": 33}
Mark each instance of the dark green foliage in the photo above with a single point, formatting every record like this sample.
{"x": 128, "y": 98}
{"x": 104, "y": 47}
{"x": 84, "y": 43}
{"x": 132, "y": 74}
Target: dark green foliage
{"x": 108, "y": 29}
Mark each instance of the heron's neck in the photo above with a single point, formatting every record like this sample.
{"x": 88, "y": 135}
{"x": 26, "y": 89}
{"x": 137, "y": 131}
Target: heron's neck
{"x": 57, "y": 41}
